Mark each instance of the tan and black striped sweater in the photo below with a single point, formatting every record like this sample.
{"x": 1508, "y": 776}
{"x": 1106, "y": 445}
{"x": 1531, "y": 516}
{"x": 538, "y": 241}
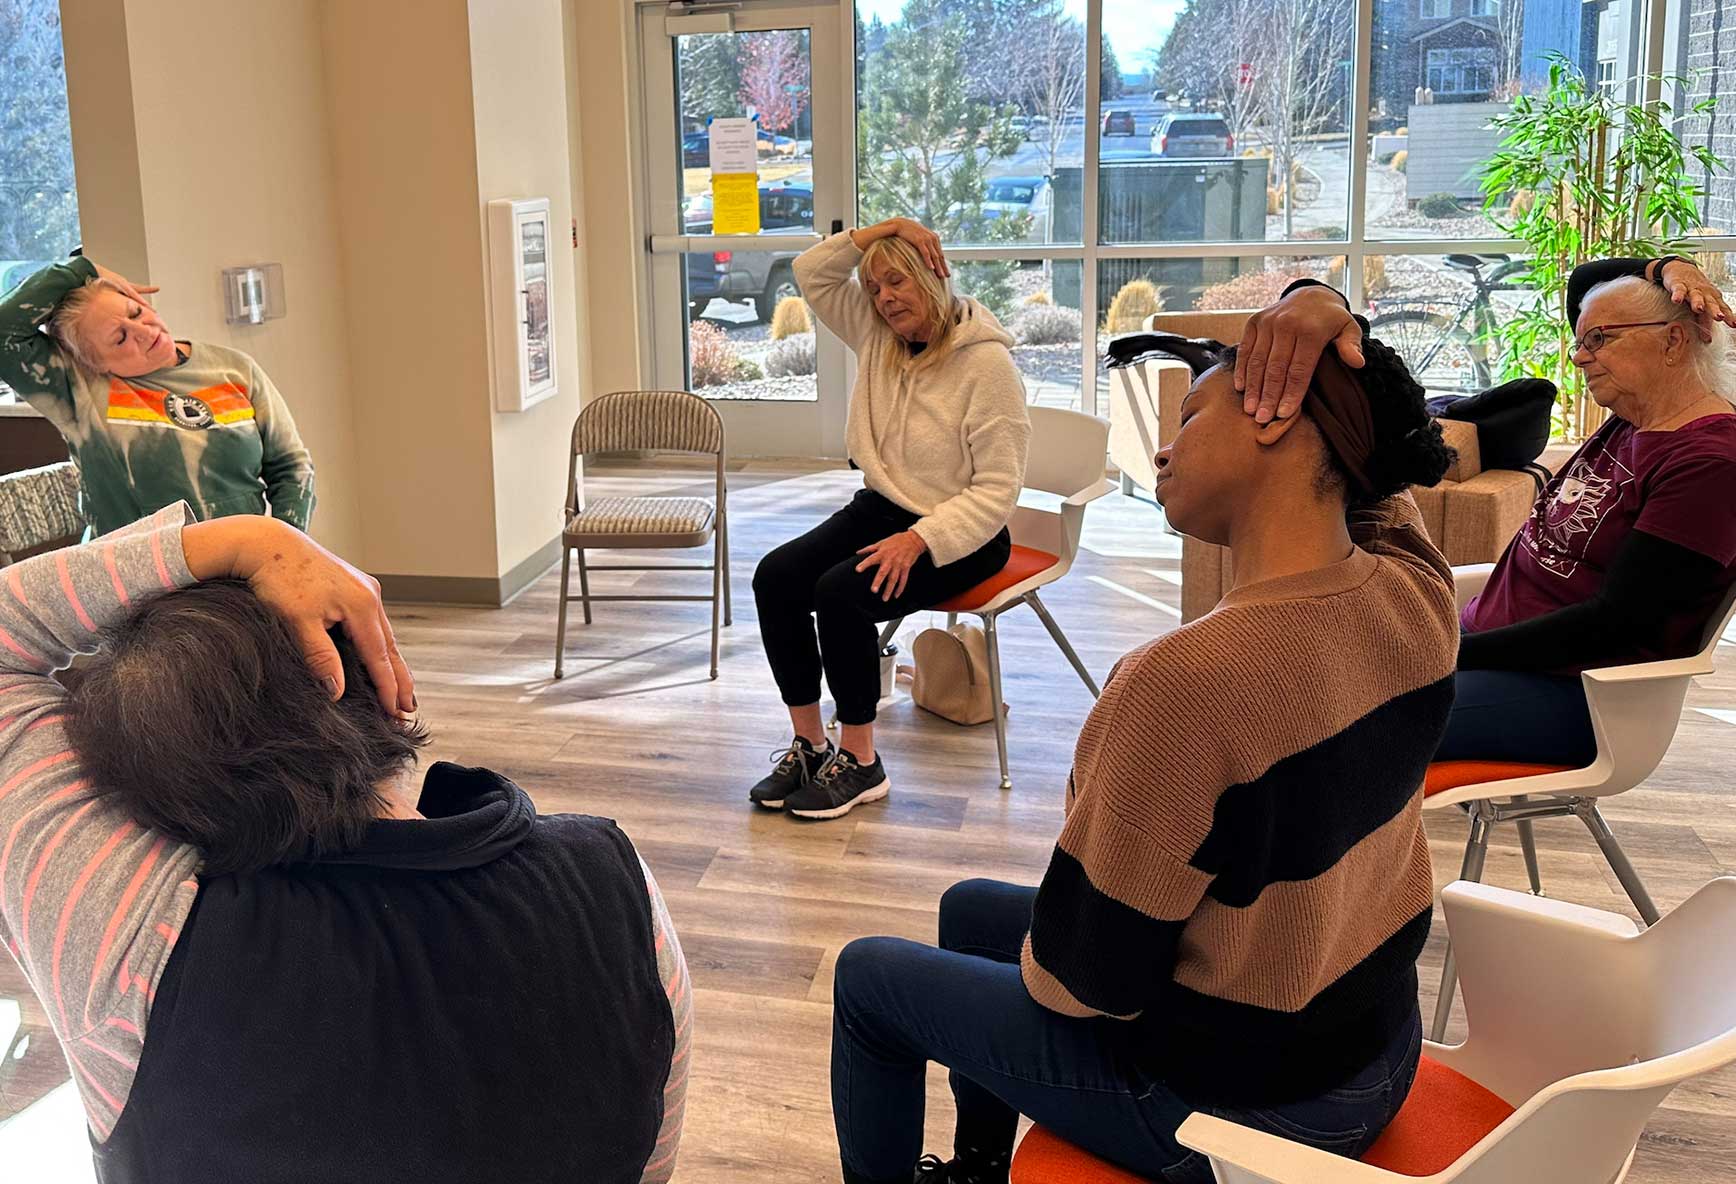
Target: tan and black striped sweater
{"x": 1243, "y": 875}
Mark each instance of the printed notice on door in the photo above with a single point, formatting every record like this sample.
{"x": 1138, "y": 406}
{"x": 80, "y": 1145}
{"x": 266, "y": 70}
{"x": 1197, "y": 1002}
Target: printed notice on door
{"x": 734, "y": 147}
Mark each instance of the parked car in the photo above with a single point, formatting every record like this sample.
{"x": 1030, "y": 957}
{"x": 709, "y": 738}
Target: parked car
{"x": 1192, "y": 136}
{"x": 1014, "y": 197}
{"x": 736, "y": 274}
{"x": 1119, "y": 123}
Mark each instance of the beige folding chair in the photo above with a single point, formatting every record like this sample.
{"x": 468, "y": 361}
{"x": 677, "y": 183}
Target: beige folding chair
{"x": 645, "y": 422}
{"x": 38, "y": 507}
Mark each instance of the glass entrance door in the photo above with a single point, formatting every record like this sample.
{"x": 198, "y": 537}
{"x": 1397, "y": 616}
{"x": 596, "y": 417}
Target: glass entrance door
{"x": 728, "y": 321}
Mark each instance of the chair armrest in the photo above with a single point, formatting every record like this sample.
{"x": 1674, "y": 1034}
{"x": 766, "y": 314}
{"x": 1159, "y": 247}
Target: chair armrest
{"x": 1091, "y": 492}
{"x": 1469, "y": 581}
{"x": 1242, "y": 1155}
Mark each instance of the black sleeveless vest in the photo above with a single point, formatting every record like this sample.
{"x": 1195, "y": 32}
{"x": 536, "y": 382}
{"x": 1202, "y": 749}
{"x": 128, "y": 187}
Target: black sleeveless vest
{"x": 470, "y": 998}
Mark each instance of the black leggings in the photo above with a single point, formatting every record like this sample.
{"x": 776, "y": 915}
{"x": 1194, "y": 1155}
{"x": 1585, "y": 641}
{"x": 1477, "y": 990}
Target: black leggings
{"x": 815, "y": 577}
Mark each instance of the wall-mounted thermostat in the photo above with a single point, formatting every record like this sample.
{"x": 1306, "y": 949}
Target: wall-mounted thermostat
{"x": 253, "y": 293}
{"x": 521, "y": 281}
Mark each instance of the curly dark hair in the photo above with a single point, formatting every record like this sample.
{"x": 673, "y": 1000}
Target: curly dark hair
{"x": 1408, "y": 448}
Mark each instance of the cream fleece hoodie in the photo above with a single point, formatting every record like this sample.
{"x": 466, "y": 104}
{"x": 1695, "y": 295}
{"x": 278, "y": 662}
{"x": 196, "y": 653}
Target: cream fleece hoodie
{"x": 946, "y": 440}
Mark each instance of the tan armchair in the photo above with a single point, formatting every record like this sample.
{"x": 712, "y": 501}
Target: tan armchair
{"x": 1471, "y": 515}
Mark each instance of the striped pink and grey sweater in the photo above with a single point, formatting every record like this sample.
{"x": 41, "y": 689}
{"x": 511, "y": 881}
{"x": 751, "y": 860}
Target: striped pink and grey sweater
{"x": 91, "y": 903}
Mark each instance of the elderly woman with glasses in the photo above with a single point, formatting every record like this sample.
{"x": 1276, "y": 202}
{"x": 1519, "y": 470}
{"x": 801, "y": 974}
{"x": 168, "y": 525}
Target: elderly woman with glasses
{"x": 1628, "y": 550}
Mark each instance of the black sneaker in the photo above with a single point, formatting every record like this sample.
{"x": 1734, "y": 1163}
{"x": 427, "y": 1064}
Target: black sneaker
{"x": 930, "y": 1170}
{"x": 793, "y": 769}
{"x": 842, "y": 784}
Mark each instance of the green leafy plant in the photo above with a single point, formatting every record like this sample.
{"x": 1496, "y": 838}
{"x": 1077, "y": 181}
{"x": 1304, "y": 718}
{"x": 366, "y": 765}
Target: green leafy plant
{"x": 1608, "y": 178}
{"x": 1440, "y": 205}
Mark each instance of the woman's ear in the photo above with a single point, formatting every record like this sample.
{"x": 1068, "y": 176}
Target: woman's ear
{"x": 1275, "y": 430}
{"x": 1676, "y": 343}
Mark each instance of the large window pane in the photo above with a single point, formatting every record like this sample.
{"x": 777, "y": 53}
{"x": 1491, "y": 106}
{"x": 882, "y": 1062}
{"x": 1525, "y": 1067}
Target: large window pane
{"x": 750, "y": 333}
{"x": 765, "y": 75}
{"x": 1705, "y": 54}
{"x": 1244, "y": 107}
{"x": 38, "y": 201}
{"x": 1440, "y": 313}
{"x": 1038, "y": 302}
{"x": 967, "y": 113}
{"x": 1441, "y": 71}
{"x": 1129, "y": 290}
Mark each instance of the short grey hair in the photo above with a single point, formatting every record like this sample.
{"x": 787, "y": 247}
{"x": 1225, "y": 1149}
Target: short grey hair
{"x": 1713, "y": 362}
{"x": 66, "y": 325}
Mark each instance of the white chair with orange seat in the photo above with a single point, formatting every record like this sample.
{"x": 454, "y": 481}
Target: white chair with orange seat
{"x": 1067, "y": 458}
{"x": 1580, "y": 1025}
{"x": 1634, "y": 713}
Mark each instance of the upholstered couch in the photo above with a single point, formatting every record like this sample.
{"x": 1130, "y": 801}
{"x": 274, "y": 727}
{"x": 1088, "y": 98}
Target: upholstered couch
{"x": 1471, "y": 514}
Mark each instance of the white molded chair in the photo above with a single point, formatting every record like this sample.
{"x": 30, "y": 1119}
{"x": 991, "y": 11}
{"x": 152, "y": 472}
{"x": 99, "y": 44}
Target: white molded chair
{"x": 1634, "y": 713}
{"x": 1066, "y": 458}
{"x": 1577, "y": 1020}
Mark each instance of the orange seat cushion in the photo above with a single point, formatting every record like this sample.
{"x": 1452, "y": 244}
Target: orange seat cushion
{"x": 1445, "y": 775}
{"x": 1445, "y": 1116}
{"x": 1043, "y": 1158}
{"x": 1022, "y": 564}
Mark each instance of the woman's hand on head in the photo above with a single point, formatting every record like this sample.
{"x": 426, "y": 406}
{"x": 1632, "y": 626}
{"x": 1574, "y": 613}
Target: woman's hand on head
{"x": 129, "y": 289}
{"x": 926, "y": 242}
{"x": 1281, "y": 344}
{"x": 894, "y": 555}
{"x": 312, "y": 590}
{"x": 1689, "y": 286}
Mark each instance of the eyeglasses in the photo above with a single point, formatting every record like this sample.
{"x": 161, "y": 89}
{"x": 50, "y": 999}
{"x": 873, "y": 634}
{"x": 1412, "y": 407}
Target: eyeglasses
{"x": 1598, "y": 336}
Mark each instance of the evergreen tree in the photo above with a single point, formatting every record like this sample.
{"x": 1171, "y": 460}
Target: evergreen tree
{"x": 1112, "y": 86}
{"x": 924, "y": 142}
{"x": 710, "y": 77}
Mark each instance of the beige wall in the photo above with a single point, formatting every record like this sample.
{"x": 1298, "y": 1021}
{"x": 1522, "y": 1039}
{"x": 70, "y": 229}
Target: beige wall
{"x": 402, "y": 135}
{"x": 184, "y": 171}
{"x": 518, "y": 80}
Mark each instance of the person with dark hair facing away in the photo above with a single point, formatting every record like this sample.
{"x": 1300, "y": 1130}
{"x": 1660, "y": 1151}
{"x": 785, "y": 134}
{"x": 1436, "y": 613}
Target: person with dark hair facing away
{"x": 267, "y": 959}
{"x": 1630, "y": 548}
{"x": 1231, "y": 917}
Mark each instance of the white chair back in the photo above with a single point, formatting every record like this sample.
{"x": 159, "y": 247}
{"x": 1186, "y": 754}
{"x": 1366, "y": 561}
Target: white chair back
{"x": 1584, "y": 1023}
{"x": 1068, "y": 457}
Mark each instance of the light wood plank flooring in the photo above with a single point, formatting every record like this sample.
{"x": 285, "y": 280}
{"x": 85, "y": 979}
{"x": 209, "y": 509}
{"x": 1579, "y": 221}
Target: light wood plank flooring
{"x": 637, "y": 732}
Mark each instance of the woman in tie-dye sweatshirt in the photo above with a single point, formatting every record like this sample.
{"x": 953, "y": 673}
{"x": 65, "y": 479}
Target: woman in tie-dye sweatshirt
{"x": 149, "y": 420}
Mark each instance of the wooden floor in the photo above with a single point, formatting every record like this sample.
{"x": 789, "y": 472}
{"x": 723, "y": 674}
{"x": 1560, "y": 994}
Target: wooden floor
{"x": 763, "y": 902}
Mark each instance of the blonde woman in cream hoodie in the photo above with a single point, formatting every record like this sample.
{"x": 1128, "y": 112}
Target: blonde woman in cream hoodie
{"x": 938, "y": 428}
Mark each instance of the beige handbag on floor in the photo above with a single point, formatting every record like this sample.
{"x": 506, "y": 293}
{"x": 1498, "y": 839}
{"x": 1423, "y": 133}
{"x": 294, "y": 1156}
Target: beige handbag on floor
{"x": 952, "y": 674}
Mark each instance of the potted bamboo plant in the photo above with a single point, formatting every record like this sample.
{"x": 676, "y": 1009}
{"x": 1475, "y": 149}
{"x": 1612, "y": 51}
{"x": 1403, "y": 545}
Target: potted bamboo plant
{"x": 1583, "y": 173}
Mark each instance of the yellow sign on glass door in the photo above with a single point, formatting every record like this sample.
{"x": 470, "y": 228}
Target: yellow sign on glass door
{"x": 735, "y": 203}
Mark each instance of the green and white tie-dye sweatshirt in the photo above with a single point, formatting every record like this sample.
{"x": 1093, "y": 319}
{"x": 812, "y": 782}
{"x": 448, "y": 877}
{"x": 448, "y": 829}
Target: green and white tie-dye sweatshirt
{"x": 211, "y": 431}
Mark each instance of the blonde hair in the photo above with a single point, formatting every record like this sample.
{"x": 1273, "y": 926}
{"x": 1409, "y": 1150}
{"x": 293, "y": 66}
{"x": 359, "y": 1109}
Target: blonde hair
{"x": 1712, "y": 362}
{"x": 893, "y": 252}
{"x": 66, "y": 323}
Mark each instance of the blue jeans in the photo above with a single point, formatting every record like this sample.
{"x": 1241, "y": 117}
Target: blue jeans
{"x": 1512, "y": 715}
{"x": 898, "y": 1005}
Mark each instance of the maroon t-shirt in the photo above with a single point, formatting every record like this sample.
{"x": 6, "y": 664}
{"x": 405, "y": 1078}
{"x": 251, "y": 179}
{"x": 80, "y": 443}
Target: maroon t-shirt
{"x": 1679, "y": 486}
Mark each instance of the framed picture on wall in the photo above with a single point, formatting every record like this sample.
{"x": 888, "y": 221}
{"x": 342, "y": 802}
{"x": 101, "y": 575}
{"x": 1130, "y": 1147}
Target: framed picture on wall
{"x": 522, "y": 281}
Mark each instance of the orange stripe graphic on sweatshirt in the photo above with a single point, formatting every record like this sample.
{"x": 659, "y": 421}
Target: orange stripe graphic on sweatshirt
{"x": 227, "y": 403}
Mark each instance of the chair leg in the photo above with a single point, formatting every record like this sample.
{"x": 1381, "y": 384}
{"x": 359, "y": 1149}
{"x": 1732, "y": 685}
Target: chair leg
{"x": 1586, "y": 809}
{"x": 995, "y": 700}
{"x": 1061, "y": 640}
{"x": 721, "y": 558}
{"x": 951, "y": 620}
{"x": 1126, "y": 485}
{"x": 716, "y": 610}
{"x": 1528, "y": 846}
{"x": 1476, "y": 853}
{"x": 561, "y": 618}
{"x": 584, "y": 586}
